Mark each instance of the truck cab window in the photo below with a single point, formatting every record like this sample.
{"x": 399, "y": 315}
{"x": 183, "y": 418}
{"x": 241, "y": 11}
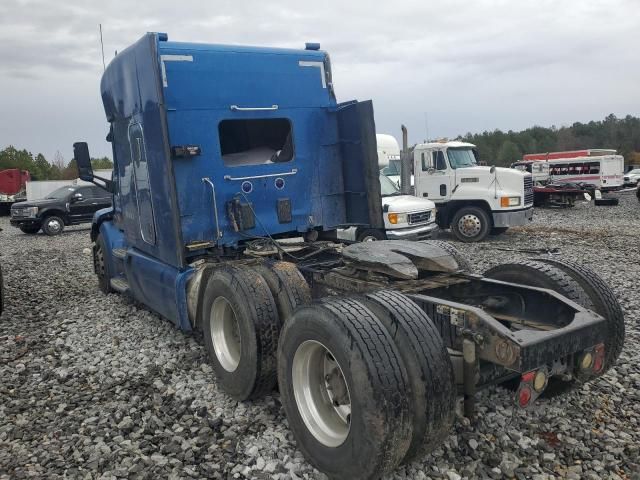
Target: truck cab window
{"x": 255, "y": 141}
{"x": 461, "y": 157}
{"x": 439, "y": 162}
{"x": 427, "y": 161}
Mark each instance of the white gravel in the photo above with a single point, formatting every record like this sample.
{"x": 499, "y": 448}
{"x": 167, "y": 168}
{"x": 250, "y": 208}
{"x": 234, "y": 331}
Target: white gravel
{"x": 93, "y": 386}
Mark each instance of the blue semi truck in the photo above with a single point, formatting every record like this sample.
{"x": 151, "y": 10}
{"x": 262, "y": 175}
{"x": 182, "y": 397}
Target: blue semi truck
{"x": 233, "y": 169}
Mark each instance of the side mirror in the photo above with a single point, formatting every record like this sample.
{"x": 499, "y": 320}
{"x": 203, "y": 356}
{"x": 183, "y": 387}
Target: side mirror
{"x": 76, "y": 197}
{"x": 83, "y": 161}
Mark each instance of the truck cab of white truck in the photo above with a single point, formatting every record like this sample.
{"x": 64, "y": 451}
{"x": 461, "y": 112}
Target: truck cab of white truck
{"x": 472, "y": 200}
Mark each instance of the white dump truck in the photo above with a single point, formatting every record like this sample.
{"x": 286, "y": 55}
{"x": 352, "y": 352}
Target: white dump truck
{"x": 472, "y": 200}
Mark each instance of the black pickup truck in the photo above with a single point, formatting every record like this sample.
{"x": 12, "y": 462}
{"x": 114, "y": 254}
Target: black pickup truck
{"x": 68, "y": 205}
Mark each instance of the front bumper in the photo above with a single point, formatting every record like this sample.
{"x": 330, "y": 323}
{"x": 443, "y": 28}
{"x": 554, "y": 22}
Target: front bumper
{"x": 419, "y": 232}
{"x": 24, "y": 221}
{"x": 512, "y": 218}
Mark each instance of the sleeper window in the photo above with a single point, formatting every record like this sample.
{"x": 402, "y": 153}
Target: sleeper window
{"x": 256, "y": 141}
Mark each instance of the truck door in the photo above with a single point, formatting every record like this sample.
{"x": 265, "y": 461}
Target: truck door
{"x": 433, "y": 177}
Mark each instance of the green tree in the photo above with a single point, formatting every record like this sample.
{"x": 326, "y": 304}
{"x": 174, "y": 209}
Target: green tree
{"x": 102, "y": 163}
{"x": 509, "y": 152}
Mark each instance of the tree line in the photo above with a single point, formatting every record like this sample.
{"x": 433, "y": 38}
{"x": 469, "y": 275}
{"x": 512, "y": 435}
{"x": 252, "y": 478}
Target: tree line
{"x": 503, "y": 148}
{"x": 42, "y": 169}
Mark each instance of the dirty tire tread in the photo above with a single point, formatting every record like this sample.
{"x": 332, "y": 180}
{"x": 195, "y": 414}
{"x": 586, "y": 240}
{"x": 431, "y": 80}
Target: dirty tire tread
{"x": 463, "y": 263}
{"x": 288, "y": 287}
{"x": 374, "y": 348}
{"x": 562, "y": 282}
{"x": 433, "y": 383}
{"x": 603, "y": 301}
{"x": 256, "y": 294}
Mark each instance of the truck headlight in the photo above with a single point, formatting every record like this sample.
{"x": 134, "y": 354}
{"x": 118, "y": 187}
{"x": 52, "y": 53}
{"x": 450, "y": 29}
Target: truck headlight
{"x": 395, "y": 218}
{"x": 510, "y": 201}
{"x": 432, "y": 218}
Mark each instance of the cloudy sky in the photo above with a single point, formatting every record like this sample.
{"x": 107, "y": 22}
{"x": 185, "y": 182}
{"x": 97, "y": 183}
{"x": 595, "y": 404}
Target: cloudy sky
{"x": 449, "y": 66}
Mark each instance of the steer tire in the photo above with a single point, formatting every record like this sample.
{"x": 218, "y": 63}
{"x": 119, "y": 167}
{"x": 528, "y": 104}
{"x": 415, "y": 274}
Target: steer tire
{"x": 544, "y": 275}
{"x": 374, "y": 437}
{"x": 240, "y": 327}
{"x": 429, "y": 369}
{"x": 481, "y": 218}
{"x": 462, "y": 261}
{"x": 101, "y": 266}
{"x": 604, "y": 303}
{"x": 48, "y": 225}
{"x": 287, "y": 285}
{"x": 30, "y": 229}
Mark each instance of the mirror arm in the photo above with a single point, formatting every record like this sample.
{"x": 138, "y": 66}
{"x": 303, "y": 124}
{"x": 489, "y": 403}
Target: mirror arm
{"x": 107, "y": 184}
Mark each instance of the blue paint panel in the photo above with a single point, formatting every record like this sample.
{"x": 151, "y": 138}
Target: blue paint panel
{"x": 132, "y": 94}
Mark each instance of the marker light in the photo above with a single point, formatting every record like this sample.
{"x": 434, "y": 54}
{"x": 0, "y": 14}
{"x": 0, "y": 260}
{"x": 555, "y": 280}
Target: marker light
{"x": 586, "y": 362}
{"x": 395, "y": 218}
{"x": 509, "y": 202}
{"x": 540, "y": 381}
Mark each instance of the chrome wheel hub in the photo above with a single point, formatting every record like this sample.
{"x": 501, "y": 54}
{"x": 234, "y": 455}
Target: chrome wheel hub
{"x": 225, "y": 334}
{"x": 321, "y": 393}
{"x": 54, "y": 225}
{"x": 469, "y": 225}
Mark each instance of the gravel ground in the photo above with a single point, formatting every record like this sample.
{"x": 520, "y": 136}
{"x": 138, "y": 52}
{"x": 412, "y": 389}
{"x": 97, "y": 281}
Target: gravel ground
{"x": 92, "y": 386}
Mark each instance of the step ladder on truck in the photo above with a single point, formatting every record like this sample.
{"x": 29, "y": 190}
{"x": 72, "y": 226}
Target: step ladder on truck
{"x": 233, "y": 169}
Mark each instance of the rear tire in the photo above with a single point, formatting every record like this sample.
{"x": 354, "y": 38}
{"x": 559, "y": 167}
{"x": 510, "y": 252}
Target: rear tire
{"x": 366, "y": 432}
{"x": 240, "y": 327}
{"x": 470, "y": 224}
{"x": 30, "y": 229}
{"x": 604, "y": 302}
{"x": 287, "y": 285}
{"x": 433, "y": 389}
{"x": 52, "y": 225}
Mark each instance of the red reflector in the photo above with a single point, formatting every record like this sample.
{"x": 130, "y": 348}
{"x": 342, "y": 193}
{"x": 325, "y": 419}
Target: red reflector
{"x": 528, "y": 377}
{"x": 524, "y": 397}
{"x": 598, "y": 363}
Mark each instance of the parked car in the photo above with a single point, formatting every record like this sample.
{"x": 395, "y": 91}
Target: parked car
{"x": 405, "y": 217}
{"x": 68, "y": 205}
{"x": 632, "y": 177}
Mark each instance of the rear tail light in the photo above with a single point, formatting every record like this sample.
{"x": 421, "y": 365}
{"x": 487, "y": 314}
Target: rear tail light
{"x": 524, "y": 396}
{"x": 598, "y": 361}
{"x": 532, "y": 384}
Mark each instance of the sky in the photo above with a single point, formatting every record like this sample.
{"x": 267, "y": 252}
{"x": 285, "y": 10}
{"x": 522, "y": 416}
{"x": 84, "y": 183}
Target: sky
{"x": 443, "y": 68}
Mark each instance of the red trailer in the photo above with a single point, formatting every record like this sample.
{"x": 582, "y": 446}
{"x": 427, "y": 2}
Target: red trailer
{"x": 13, "y": 188}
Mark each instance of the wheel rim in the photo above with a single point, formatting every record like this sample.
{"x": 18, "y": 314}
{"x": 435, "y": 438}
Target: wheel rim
{"x": 100, "y": 262}
{"x": 469, "y": 225}
{"x": 225, "y": 334}
{"x": 321, "y": 393}
{"x": 369, "y": 238}
{"x": 53, "y": 225}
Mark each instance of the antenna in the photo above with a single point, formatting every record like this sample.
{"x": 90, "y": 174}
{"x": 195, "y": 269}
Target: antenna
{"x": 102, "y": 47}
